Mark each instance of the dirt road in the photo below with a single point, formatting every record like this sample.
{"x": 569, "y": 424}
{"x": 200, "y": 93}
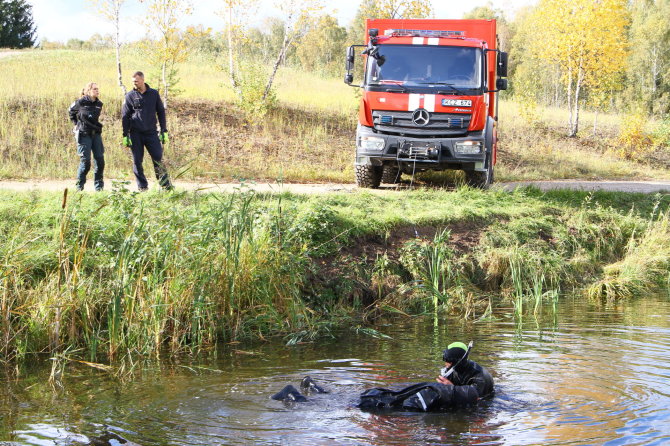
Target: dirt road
{"x": 617, "y": 186}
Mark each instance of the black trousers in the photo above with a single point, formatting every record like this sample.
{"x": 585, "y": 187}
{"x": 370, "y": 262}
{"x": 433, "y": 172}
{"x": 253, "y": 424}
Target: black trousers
{"x": 150, "y": 141}
{"x": 87, "y": 145}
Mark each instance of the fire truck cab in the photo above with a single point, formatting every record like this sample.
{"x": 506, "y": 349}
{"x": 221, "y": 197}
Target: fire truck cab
{"x": 430, "y": 96}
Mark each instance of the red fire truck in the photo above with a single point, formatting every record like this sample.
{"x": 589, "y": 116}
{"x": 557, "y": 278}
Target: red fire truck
{"x": 429, "y": 99}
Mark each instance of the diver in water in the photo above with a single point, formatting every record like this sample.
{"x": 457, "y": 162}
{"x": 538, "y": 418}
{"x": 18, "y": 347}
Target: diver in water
{"x": 459, "y": 371}
{"x": 290, "y": 393}
{"x": 461, "y": 383}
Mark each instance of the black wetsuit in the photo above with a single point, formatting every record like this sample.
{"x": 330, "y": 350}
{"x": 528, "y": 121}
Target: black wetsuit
{"x": 471, "y": 383}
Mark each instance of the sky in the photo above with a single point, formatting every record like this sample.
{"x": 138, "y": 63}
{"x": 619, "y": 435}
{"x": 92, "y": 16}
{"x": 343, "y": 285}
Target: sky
{"x": 60, "y": 20}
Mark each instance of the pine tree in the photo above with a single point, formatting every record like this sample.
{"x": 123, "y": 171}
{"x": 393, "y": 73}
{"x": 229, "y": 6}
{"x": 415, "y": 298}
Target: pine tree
{"x": 17, "y": 29}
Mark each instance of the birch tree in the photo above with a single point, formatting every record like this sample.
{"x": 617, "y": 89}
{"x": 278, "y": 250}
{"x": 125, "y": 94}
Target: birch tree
{"x": 162, "y": 18}
{"x": 296, "y": 13}
{"x": 252, "y": 83}
{"x": 236, "y": 14}
{"x": 111, "y": 10}
{"x": 387, "y": 9}
{"x": 649, "y": 63}
{"x": 588, "y": 41}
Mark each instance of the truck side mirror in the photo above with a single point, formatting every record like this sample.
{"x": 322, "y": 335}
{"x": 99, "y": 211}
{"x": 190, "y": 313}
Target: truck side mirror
{"x": 350, "y": 59}
{"x": 349, "y": 64}
{"x": 502, "y": 64}
{"x": 501, "y": 84}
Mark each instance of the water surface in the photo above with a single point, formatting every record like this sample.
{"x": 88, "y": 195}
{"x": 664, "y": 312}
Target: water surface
{"x": 577, "y": 374}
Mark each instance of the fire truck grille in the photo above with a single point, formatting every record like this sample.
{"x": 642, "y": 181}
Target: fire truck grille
{"x": 439, "y": 124}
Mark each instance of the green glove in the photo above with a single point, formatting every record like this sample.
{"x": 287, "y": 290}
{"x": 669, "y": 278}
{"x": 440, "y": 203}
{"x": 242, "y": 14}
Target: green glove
{"x": 127, "y": 142}
{"x": 164, "y": 137}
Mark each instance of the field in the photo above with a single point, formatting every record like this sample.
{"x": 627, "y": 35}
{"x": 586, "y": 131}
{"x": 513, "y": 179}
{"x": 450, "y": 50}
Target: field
{"x": 309, "y": 137}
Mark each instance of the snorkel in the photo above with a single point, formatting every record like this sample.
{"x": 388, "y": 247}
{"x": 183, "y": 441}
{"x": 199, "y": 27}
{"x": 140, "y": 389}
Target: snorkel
{"x": 445, "y": 373}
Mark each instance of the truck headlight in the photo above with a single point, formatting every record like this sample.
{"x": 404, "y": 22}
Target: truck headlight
{"x": 371, "y": 143}
{"x": 468, "y": 147}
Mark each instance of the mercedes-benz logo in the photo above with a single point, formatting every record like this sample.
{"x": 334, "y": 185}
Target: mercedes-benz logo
{"x": 420, "y": 117}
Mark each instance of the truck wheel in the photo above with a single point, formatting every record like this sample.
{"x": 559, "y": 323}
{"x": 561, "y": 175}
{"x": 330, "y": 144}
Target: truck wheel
{"x": 480, "y": 180}
{"x": 391, "y": 175}
{"x": 368, "y": 176}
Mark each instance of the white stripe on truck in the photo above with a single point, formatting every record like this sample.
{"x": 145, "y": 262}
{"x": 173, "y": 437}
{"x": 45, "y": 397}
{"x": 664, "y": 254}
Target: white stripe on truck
{"x": 414, "y": 102}
{"x": 429, "y": 102}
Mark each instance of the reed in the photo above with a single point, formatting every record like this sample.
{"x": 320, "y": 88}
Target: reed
{"x": 130, "y": 277}
{"x": 120, "y": 274}
{"x": 644, "y": 268}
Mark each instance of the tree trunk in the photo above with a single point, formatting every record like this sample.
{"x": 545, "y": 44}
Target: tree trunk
{"x": 655, "y": 75}
{"x": 595, "y": 124}
{"x": 117, "y": 13}
{"x": 280, "y": 58}
{"x": 231, "y": 59}
{"x": 165, "y": 84}
{"x": 575, "y": 125}
{"x": 557, "y": 88}
{"x": 570, "y": 108}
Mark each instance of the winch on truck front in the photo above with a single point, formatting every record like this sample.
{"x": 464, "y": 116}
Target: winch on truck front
{"x": 429, "y": 99}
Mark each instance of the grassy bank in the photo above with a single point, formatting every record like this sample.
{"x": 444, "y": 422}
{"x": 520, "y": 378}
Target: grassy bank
{"x": 309, "y": 137}
{"x": 117, "y": 273}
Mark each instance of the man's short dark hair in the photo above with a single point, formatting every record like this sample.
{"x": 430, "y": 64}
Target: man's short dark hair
{"x": 138, "y": 73}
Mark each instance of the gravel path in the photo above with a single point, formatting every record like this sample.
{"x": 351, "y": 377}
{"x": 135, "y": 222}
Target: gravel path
{"x": 645, "y": 187}
{"x": 616, "y": 186}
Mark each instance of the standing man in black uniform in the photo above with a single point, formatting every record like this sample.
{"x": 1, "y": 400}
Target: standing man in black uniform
{"x": 140, "y": 108}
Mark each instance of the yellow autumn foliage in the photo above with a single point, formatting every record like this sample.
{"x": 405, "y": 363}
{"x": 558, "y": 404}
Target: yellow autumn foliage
{"x": 634, "y": 142}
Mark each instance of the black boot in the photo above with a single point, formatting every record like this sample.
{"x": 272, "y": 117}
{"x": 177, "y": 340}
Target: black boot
{"x": 289, "y": 393}
{"x": 307, "y": 384}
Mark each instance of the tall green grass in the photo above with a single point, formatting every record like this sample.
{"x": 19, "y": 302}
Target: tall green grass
{"x": 120, "y": 274}
{"x": 645, "y": 267}
{"x": 137, "y": 275}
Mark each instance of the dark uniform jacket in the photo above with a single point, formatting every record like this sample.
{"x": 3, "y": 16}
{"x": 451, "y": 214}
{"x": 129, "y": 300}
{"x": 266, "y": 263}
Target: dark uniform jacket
{"x": 471, "y": 374}
{"x": 85, "y": 115}
{"x": 139, "y": 111}
{"x": 471, "y": 383}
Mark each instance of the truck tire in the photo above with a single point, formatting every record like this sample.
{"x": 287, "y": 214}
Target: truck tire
{"x": 480, "y": 180}
{"x": 391, "y": 175}
{"x": 368, "y": 176}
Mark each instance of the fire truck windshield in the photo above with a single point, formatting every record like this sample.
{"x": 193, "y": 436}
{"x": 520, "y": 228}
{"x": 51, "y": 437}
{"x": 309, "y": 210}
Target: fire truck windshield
{"x": 426, "y": 65}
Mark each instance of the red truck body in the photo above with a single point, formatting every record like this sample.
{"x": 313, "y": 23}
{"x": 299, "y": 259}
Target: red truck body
{"x": 429, "y": 99}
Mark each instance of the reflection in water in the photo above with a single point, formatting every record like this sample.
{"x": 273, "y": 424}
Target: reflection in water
{"x": 580, "y": 375}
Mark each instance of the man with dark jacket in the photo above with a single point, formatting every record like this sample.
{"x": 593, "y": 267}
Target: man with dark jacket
{"x": 461, "y": 383}
{"x": 140, "y": 108}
